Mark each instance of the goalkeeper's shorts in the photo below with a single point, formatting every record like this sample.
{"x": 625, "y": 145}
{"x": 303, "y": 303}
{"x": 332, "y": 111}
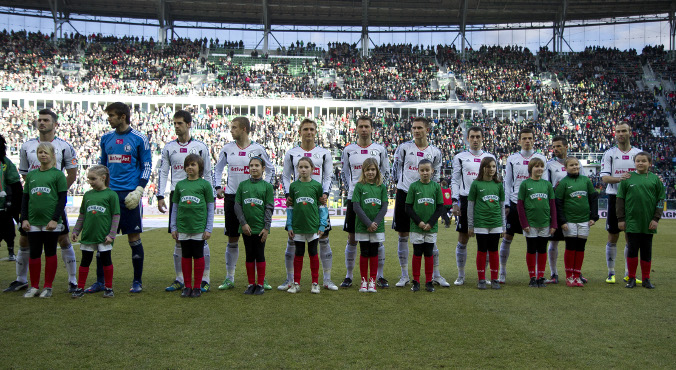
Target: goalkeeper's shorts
{"x": 130, "y": 219}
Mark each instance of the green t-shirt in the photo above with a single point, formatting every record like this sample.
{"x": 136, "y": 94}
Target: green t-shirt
{"x": 574, "y": 192}
{"x": 253, "y": 197}
{"x": 641, "y": 194}
{"x": 536, "y": 195}
{"x": 305, "y": 196}
{"x": 424, "y": 198}
{"x": 192, "y": 197}
{"x": 98, "y": 207}
{"x": 371, "y": 198}
{"x": 9, "y": 176}
{"x": 488, "y": 197}
{"x": 43, "y": 188}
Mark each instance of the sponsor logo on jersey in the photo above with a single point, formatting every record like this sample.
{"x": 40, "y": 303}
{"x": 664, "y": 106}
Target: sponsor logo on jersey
{"x": 525, "y": 163}
{"x": 34, "y": 166}
{"x": 94, "y": 209}
{"x": 426, "y": 201}
{"x": 578, "y": 194}
{"x": 119, "y": 158}
{"x": 316, "y": 171}
{"x": 242, "y": 154}
{"x": 40, "y": 189}
{"x": 190, "y": 199}
{"x": 240, "y": 169}
{"x": 412, "y": 168}
{"x": 177, "y": 167}
{"x": 373, "y": 201}
{"x": 357, "y": 167}
{"x": 420, "y": 154}
{"x": 73, "y": 162}
{"x": 470, "y": 173}
{"x": 183, "y": 150}
{"x": 521, "y": 177}
{"x": 625, "y": 157}
{"x": 305, "y": 200}
{"x": 491, "y": 198}
{"x": 307, "y": 154}
{"x": 127, "y": 148}
{"x": 621, "y": 171}
{"x": 364, "y": 151}
{"x": 478, "y": 160}
{"x": 538, "y": 196}
{"x": 119, "y": 141}
{"x": 253, "y": 201}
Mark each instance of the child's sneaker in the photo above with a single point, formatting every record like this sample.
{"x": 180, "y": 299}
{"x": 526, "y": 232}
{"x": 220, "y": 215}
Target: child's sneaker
{"x": 578, "y": 282}
{"x": 47, "y": 293}
{"x": 372, "y": 286}
{"x": 429, "y": 286}
{"x": 364, "y": 286}
{"x": 78, "y": 293}
{"x": 196, "y": 293}
{"x": 315, "y": 288}
{"x": 108, "y": 293}
{"x": 570, "y": 281}
{"x": 31, "y": 292}
{"x": 186, "y": 292}
{"x": 250, "y": 289}
{"x": 415, "y": 286}
{"x": 260, "y": 289}
{"x": 481, "y": 284}
{"x": 295, "y": 288}
{"x": 285, "y": 285}
{"x": 495, "y": 284}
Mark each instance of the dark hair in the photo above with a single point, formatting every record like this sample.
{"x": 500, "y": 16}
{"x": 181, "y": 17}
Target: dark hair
{"x": 306, "y": 159}
{"x": 307, "y": 120}
{"x": 424, "y": 162}
{"x": 243, "y": 122}
{"x": 475, "y": 129}
{"x": 187, "y": 117}
{"x": 625, "y": 123}
{"x": 194, "y": 158}
{"x": 3, "y": 149}
{"x": 119, "y": 108}
{"x": 645, "y": 154}
{"x": 424, "y": 120}
{"x": 560, "y": 138}
{"x": 533, "y": 162}
{"x": 258, "y": 159}
{"x": 55, "y": 118}
{"x": 482, "y": 167}
{"x": 365, "y": 118}
{"x": 526, "y": 130}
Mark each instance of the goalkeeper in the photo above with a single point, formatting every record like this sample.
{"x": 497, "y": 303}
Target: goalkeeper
{"x": 126, "y": 153}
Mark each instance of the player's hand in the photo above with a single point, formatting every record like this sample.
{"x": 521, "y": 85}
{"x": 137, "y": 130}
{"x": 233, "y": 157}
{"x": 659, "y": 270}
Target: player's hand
{"x": 564, "y": 227}
{"x": 622, "y": 225}
{"x": 264, "y": 235}
{"x": 206, "y": 235}
{"x": 132, "y": 199}
{"x": 26, "y": 226}
{"x": 161, "y": 206}
{"x": 291, "y": 234}
{"x": 526, "y": 230}
{"x": 323, "y": 199}
{"x": 246, "y": 230}
{"x": 551, "y": 231}
{"x": 220, "y": 193}
{"x": 174, "y": 234}
{"x": 51, "y": 225}
{"x": 625, "y": 176}
{"x": 506, "y": 211}
{"x": 470, "y": 233}
{"x": 592, "y": 222}
{"x": 289, "y": 201}
{"x": 456, "y": 210}
{"x": 320, "y": 233}
{"x": 653, "y": 225}
{"x": 73, "y": 237}
{"x": 108, "y": 240}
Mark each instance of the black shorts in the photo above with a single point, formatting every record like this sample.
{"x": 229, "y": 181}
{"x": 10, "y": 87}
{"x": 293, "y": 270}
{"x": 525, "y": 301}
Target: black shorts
{"x": 350, "y": 218}
{"x": 171, "y": 195}
{"x": 401, "y": 222}
{"x": 131, "y": 220}
{"x": 231, "y": 222}
{"x": 513, "y": 223}
{"x": 461, "y": 225}
{"x": 611, "y": 220}
{"x": 6, "y": 226}
{"x": 558, "y": 235}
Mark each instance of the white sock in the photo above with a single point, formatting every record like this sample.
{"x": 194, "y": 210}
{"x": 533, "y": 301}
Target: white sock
{"x": 178, "y": 255}
{"x": 402, "y": 251}
{"x": 504, "y": 255}
{"x": 435, "y": 258}
{"x": 461, "y": 258}
{"x": 207, "y": 263}
{"x": 381, "y": 260}
{"x": 626, "y": 263}
{"x": 288, "y": 258}
{"x": 22, "y": 257}
{"x": 611, "y": 254}
{"x": 350, "y": 254}
{"x": 68, "y": 256}
{"x": 231, "y": 255}
{"x": 326, "y": 256}
{"x": 553, "y": 256}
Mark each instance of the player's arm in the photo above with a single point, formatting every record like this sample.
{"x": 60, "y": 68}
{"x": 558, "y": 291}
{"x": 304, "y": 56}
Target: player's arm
{"x": 71, "y": 176}
{"x": 384, "y": 166}
{"x": 287, "y": 173}
{"x": 71, "y": 167}
{"x": 397, "y": 162}
{"x": 456, "y": 178}
{"x": 103, "y": 160}
{"x": 146, "y": 163}
{"x": 23, "y": 162}
{"x": 327, "y": 174}
{"x": 509, "y": 181}
{"x": 208, "y": 170}
{"x": 606, "y": 168}
{"x": 269, "y": 168}
{"x": 220, "y": 166}
{"x": 436, "y": 164}
{"x": 163, "y": 175}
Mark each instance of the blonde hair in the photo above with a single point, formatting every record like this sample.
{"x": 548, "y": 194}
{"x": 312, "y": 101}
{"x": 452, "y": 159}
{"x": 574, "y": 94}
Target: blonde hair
{"x": 368, "y": 163}
{"x": 101, "y": 170}
{"x": 49, "y": 148}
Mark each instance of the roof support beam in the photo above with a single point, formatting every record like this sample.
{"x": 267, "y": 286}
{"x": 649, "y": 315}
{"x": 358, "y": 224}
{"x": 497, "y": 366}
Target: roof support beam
{"x": 672, "y": 27}
{"x": 463, "y": 27}
{"x": 365, "y": 28}
{"x": 58, "y": 17}
{"x": 266, "y": 26}
{"x": 166, "y": 22}
{"x": 559, "y": 27}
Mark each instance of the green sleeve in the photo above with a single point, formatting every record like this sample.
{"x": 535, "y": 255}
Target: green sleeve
{"x": 208, "y": 191}
{"x": 522, "y": 190}
{"x": 502, "y": 192}
{"x": 410, "y": 196}
{"x": 471, "y": 197}
{"x": 590, "y": 187}
{"x": 356, "y": 194}
{"x": 293, "y": 199}
{"x": 269, "y": 196}
{"x": 62, "y": 184}
{"x": 26, "y": 189}
{"x": 660, "y": 190}
{"x": 383, "y": 194}
{"x": 11, "y": 174}
{"x": 551, "y": 190}
{"x": 440, "y": 195}
{"x": 115, "y": 201}
{"x": 560, "y": 190}
{"x": 238, "y": 193}
{"x": 84, "y": 201}
{"x": 621, "y": 189}
{"x": 176, "y": 198}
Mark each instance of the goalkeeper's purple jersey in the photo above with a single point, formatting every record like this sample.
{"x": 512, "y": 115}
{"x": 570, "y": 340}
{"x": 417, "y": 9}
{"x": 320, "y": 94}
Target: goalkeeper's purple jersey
{"x": 128, "y": 159}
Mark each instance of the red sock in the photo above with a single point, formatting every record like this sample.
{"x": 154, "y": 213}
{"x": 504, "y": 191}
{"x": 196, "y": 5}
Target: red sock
{"x": 50, "y": 270}
{"x": 373, "y": 265}
{"x": 260, "y": 269}
{"x": 108, "y": 276}
{"x": 35, "y": 267}
{"x": 297, "y": 268}
{"x": 494, "y": 259}
{"x": 530, "y": 262}
{"x": 417, "y": 261}
{"x": 569, "y": 257}
{"x": 429, "y": 268}
{"x": 632, "y": 263}
{"x": 314, "y": 268}
{"x": 251, "y": 272}
{"x": 186, "y": 266}
{"x": 579, "y": 258}
{"x": 481, "y": 264}
{"x": 199, "y": 271}
{"x": 82, "y": 276}
{"x": 645, "y": 269}
{"x": 542, "y": 264}
{"x": 364, "y": 267}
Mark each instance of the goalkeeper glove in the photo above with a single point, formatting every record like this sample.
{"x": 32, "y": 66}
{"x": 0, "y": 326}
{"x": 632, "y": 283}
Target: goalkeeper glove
{"x": 132, "y": 199}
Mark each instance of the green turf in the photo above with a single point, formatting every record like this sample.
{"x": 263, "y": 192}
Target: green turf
{"x": 597, "y": 326}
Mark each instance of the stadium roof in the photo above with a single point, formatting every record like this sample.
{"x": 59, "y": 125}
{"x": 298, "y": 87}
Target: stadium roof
{"x": 384, "y": 13}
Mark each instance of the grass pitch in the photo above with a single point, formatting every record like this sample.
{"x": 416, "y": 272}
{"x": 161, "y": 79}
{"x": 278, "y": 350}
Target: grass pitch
{"x": 597, "y": 326}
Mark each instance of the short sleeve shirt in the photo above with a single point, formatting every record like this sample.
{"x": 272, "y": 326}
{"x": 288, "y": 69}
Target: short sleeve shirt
{"x": 305, "y": 196}
{"x": 43, "y": 188}
{"x": 535, "y": 195}
{"x": 253, "y": 197}
{"x": 574, "y": 192}
{"x": 488, "y": 197}
{"x": 98, "y": 208}
{"x": 370, "y": 197}
{"x": 642, "y": 193}
{"x": 192, "y": 197}
{"x": 424, "y": 198}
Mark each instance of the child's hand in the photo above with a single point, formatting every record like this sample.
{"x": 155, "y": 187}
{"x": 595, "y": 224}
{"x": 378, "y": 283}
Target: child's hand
{"x": 174, "y": 234}
{"x": 653, "y": 225}
{"x": 552, "y": 231}
{"x": 220, "y": 194}
{"x": 246, "y": 230}
{"x": 421, "y": 225}
{"x": 592, "y": 222}
{"x": 206, "y": 235}
{"x": 73, "y": 237}
{"x": 427, "y": 227}
{"x": 470, "y": 233}
{"x": 564, "y": 227}
{"x": 526, "y": 229}
{"x": 264, "y": 235}
{"x": 51, "y": 225}
{"x": 26, "y": 226}
{"x": 108, "y": 240}
{"x": 291, "y": 234}
{"x": 622, "y": 225}
{"x": 320, "y": 233}
{"x": 373, "y": 227}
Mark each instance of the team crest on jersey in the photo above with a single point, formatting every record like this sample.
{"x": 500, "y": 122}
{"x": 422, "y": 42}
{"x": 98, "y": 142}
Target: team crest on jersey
{"x": 95, "y": 209}
{"x": 490, "y": 198}
{"x": 305, "y": 200}
{"x": 578, "y": 194}
{"x": 253, "y": 201}
{"x": 538, "y": 196}
{"x": 127, "y": 148}
{"x": 374, "y": 153}
{"x": 190, "y": 199}
{"x": 193, "y": 151}
{"x": 373, "y": 201}
{"x": 40, "y": 189}
{"x": 426, "y": 201}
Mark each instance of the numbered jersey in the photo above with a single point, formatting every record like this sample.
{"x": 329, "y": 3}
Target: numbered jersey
{"x": 616, "y": 163}
{"x": 64, "y": 152}
{"x": 465, "y": 171}
{"x": 323, "y": 167}
{"x": 353, "y": 158}
{"x": 237, "y": 160}
{"x": 406, "y": 159}
{"x": 173, "y": 158}
{"x": 516, "y": 171}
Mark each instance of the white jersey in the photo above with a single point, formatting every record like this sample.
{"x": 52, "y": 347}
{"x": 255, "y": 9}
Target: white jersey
{"x": 465, "y": 171}
{"x": 64, "y": 152}
{"x": 406, "y": 159}
{"x": 353, "y": 158}
{"x": 173, "y": 157}
{"x": 322, "y": 173}
{"x": 237, "y": 160}
{"x": 516, "y": 170}
{"x": 615, "y": 163}
{"x": 555, "y": 171}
